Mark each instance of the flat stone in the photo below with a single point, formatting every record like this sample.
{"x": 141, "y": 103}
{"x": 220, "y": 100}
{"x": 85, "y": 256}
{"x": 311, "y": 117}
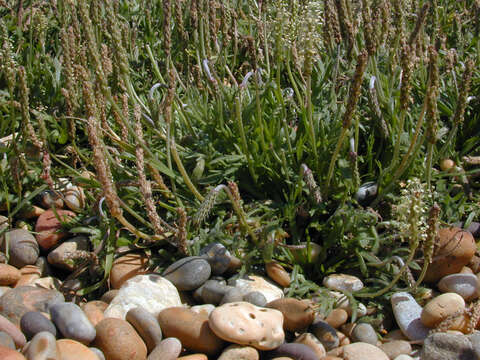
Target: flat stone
{"x": 118, "y": 340}
{"x": 9, "y": 275}
{"x": 22, "y": 247}
{"x": 246, "y": 324}
{"x": 69, "y": 349}
{"x": 297, "y": 315}
{"x": 465, "y": 285}
{"x": 167, "y": 349}
{"x": 48, "y": 228}
{"x": 336, "y": 318}
{"x": 94, "y": 310}
{"x": 447, "y": 346}
{"x": 294, "y": 351}
{"x": 407, "y": 313}
{"x": 217, "y": 256}
{"x": 126, "y": 267}
{"x": 34, "y": 322}
{"x": 146, "y": 325}
{"x": 192, "y": 329}
{"x": 362, "y": 351}
{"x": 326, "y": 334}
{"x": 311, "y": 341}
{"x": 9, "y": 354}
{"x": 395, "y": 348}
{"x": 43, "y": 346}
{"x": 151, "y": 292}
{"x": 239, "y": 352}
{"x": 258, "y": 283}
{"x": 6, "y": 340}
{"x": 49, "y": 283}
{"x": 277, "y": 273}
{"x": 62, "y": 257}
{"x": 8, "y": 327}
{"x": 343, "y": 282}
{"x": 364, "y": 332}
{"x": 72, "y": 322}
{"x": 188, "y": 273}
{"x": 440, "y": 307}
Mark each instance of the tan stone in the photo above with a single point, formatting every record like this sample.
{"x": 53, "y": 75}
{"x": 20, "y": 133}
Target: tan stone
{"x": 337, "y": 318}
{"x": 277, "y": 273}
{"x": 94, "y": 310}
{"x": 9, "y": 275}
{"x": 297, "y": 315}
{"x": 395, "y": 348}
{"x": 194, "y": 357}
{"x": 342, "y": 338}
{"x": 8, "y": 354}
{"x": 73, "y": 350}
{"x": 29, "y": 274}
{"x": 440, "y": 308}
{"x": 239, "y": 352}
{"x": 126, "y": 267}
{"x": 313, "y": 343}
{"x": 361, "y": 351}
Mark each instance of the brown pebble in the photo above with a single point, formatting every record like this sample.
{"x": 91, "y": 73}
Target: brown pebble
{"x": 9, "y": 354}
{"x": 395, "y": 348}
{"x": 48, "y": 227}
{"x": 277, "y": 273}
{"x": 73, "y": 350}
{"x": 194, "y": 357}
{"x": 109, "y": 295}
{"x": 342, "y": 338}
{"x": 126, "y": 267}
{"x": 348, "y": 328}
{"x": 94, "y": 311}
{"x": 29, "y": 274}
{"x": 9, "y": 275}
{"x": 297, "y": 315}
{"x": 337, "y": 318}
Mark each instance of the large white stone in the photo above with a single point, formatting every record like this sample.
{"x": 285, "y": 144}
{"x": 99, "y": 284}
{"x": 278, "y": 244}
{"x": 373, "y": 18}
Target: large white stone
{"x": 343, "y": 282}
{"x": 260, "y": 284}
{"x": 407, "y": 312}
{"x": 152, "y": 292}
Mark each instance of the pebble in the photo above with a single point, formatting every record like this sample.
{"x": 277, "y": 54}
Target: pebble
{"x": 146, "y": 325}
{"x": 258, "y": 283}
{"x": 337, "y": 318}
{"x": 297, "y": 315}
{"x": 109, "y": 296}
{"x": 454, "y": 250}
{"x": 300, "y": 255}
{"x": 29, "y": 274}
{"x": 407, "y": 313}
{"x": 205, "y": 309}
{"x": 475, "y": 340}
{"x": 61, "y": 257}
{"x": 188, "y": 273}
{"x": 344, "y": 303}
{"x": 402, "y": 357}
{"x": 366, "y": 192}
{"x": 152, "y": 292}
{"x": 118, "y": 340}
{"x": 8, "y": 327}
{"x": 294, "y": 351}
{"x": 69, "y": 349}
{"x": 72, "y": 322}
{"x": 6, "y": 340}
{"x": 74, "y": 197}
{"x": 212, "y": 291}
{"x": 192, "y": 329}
{"x": 48, "y": 228}
{"x": 22, "y": 247}
{"x": 343, "y": 283}
{"x": 277, "y": 273}
{"x": 48, "y": 199}
{"x": 440, "y": 308}
{"x": 44, "y": 266}
{"x": 97, "y": 352}
{"x": 43, "y": 346}
{"x": 9, "y": 354}
{"x": 49, "y": 283}
{"x": 126, "y": 267}
{"x": 194, "y": 357}
{"x": 395, "y": 348}
{"x": 311, "y": 341}
{"x": 447, "y": 346}
{"x": 217, "y": 256}
{"x": 94, "y": 311}
{"x": 9, "y": 275}
{"x": 239, "y": 352}
{"x": 365, "y": 333}
{"x": 34, "y": 322}
{"x": 362, "y": 351}
{"x": 233, "y": 295}
{"x": 325, "y": 333}
{"x": 246, "y": 324}
{"x": 255, "y": 298}
{"x": 168, "y": 349}
{"x": 465, "y": 285}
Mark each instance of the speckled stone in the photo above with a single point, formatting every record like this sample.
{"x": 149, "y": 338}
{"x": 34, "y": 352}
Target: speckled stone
{"x": 188, "y": 273}
{"x": 146, "y": 325}
{"x": 447, "y": 346}
{"x": 407, "y": 313}
{"x": 34, "y": 322}
{"x": 42, "y": 347}
{"x": 168, "y": 349}
{"x": 22, "y": 247}
{"x": 72, "y": 322}
{"x": 48, "y": 228}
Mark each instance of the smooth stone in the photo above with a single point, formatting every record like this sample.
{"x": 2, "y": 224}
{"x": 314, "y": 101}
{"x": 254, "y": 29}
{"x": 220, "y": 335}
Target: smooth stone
{"x": 127, "y": 267}
{"x": 297, "y": 315}
{"x": 212, "y": 291}
{"x": 475, "y": 340}
{"x": 4, "y": 289}
{"x": 205, "y": 309}
{"x": 192, "y": 329}
{"x": 277, "y": 273}
{"x": 343, "y": 283}
{"x": 454, "y": 250}
{"x": 304, "y": 256}
{"x": 255, "y": 298}
{"x": 69, "y": 349}
{"x": 366, "y": 192}
{"x": 9, "y": 275}
{"x": 258, "y": 283}
{"x": 6, "y": 340}
{"x": 43, "y": 346}
{"x": 343, "y": 339}
{"x": 312, "y": 341}
{"x": 151, "y": 292}
{"x": 407, "y": 313}
{"x": 395, "y": 348}
{"x": 441, "y": 307}
{"x": 188, "y": 273}
{"x": 97, "y": 352}
{"x": 118, "y": 340}
{"x": 48, "y": 228}
{"x": 74, "y": 197}
{"x": 447, "y": 346}
{"x": 22, "y": 247}
{"x": 29, "y": 274}
{"x": 246, "y": 324}
{"x": 364, "y": 332}
{"x": 362, "y": 351}
{"x": 337, "y": 318}
{"x": 239, "y": 352}
{"x": 465, "y": 285}
{"x": 395, "y": 334}
{"x": 167, "y": 349}
{"x": 72, "y": 322}
{"x": 402, "y": 357}
{"x": 146, "y": 325}
{"x": 49, "y": 283}
{"x": 109, "y": 296}
{"x": 44, "y": 266}
{"x": 294, "y": 351}
{"x": 61, "y": 257}
{"x": 12, "y": 330}
{"x": 3, "y": 258}
{"x": 325, "y": 333}
{"x": 232, "y": 295}
{"x": 194, "y": 357}
{"x": 217, "y": 256}
{"x": 94, "y": 311}
{"x": 9, "y": 354}
{"x": 34, "y": 322}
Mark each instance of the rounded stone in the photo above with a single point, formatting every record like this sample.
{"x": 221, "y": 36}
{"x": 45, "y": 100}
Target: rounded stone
{"x": 29, "y": 274}
{"x": 118, "y": 340}
{"x": 74, "y": 197}
{"x": 277, "y": 273}
{"x": 454, "y": 250}
{"x": 295, "y": 351}
{"x": 364, "y": 332}
{"x": 361, "y": 351}
{"x": 258, "y": 283}
{"x": 311, "y": 341}
{"x": 441, "y": 307}
{"x": 6, "y": 340}
{"x": 246, "y": 324}
{"x": 69, "y": 349}
{"x": 167, "y": 349}
{"x": 61, "y": 257}
{"x": 232, "y": 295}
{"x": 97, "y": 352}
{"x": 217, "y": 256}
{"x": 22, "y": 247}
{"x": 146, "y": 325}
{"x": 297, "y": 315}
{"x": 447, "y": 346}
{"x": 239, "y": 352}
{"x": 34, "y": 322}
{"x": 94, "y": 311}
{"x": 109, "y": 296}
{"x": 212, "y": 291}
{"x": 194, "y": 357}
{"x": 8, "y": 327}
{"x": 72, "y": 322}
{"x": 188, "y": 273}
{"x": 407, "y": 313}
{"x": 126, "y": 267}
{"x": 192, "y": 329}
{"x": 48, "y": 199}
{"x": 343, "y": 282}
{"x": 337, "y": 318}
{"x": 465, "y": 285}
{"x": 255, "y": 298}
{"x": 9, "y": 275}
{"x": 205, "y": 309}
{"x": 42, "y": 347}
{"x": 48, "y": 228}
{"x": 302, "y": 255}
{"x": 395, "y": 348}
{"x": 325, "y": 333}
{"x": 9, "y": 354}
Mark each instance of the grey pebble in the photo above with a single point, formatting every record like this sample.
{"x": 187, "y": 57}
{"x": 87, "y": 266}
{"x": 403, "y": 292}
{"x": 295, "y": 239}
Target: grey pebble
{"x": 168, "y": 349}
{"x": 97, "y": 352}
{"x": 212, "y": 292}
{"x": 447, "y": 346}
{"x": 146, "y": 325}
{"x": 22, "y": 247}
{"x": 42, "y": 346}
{"x": 188, "y": 273}
{"x": 325, "y": 333}
{"x": 364, "y": 332}
{"x": 6, "y": 340}
{"x": 72, "y": 322}
{"x": 255, "y": 298}
{"x": 294, "y": 351}
{"x": 232, "y": 295}
{"x": 217, "y": 256}
{"x": 34, "y": 322}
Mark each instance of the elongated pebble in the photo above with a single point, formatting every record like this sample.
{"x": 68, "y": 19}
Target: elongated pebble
{"x": 407, "y": 313}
